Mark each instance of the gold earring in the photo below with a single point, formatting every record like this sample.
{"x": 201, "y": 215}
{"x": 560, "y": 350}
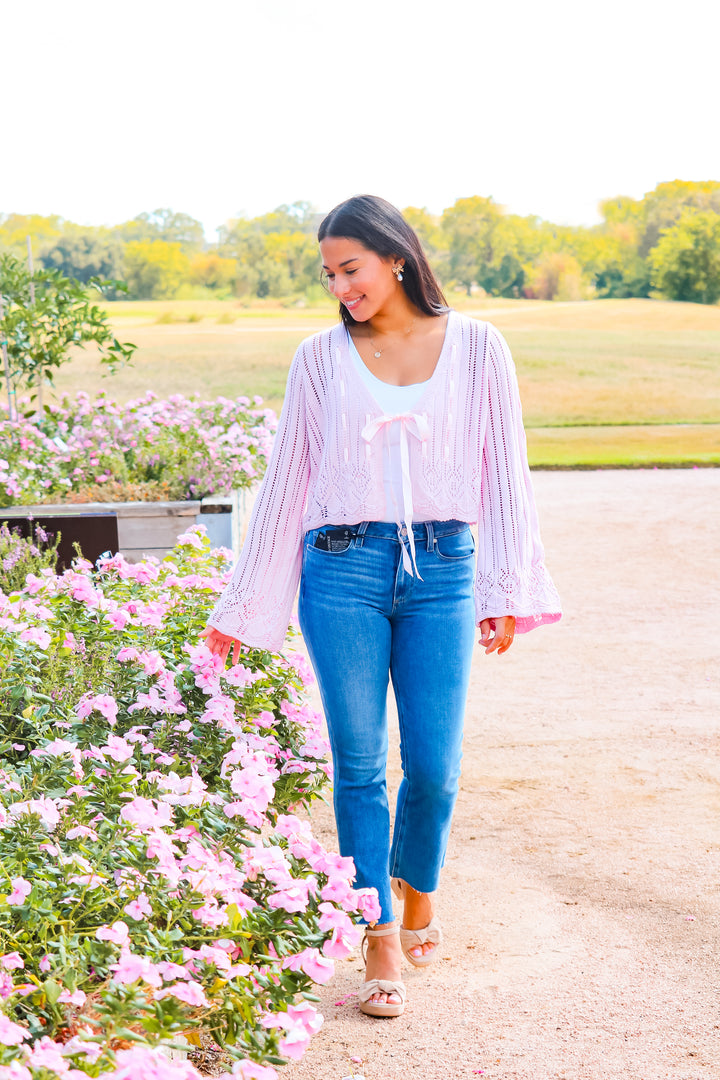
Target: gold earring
{"x": 397, "y": 271}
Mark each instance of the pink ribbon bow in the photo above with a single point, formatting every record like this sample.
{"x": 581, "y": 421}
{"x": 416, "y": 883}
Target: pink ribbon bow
{"x": 416, "y": 424}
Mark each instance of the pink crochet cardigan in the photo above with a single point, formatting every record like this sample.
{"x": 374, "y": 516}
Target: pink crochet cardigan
{"x": 467, "y": 458}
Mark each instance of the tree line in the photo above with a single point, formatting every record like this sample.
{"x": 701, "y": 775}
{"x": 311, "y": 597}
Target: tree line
{"x": 666, "y": 244}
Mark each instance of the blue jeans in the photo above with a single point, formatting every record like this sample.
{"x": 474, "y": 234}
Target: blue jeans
{"x": 364, "y": 618}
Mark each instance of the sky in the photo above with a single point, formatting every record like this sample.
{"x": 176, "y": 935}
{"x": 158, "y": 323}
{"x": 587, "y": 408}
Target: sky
{"x": 218, "y": 108}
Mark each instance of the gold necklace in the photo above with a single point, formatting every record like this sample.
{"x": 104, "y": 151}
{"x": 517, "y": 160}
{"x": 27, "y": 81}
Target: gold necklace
{"x": 378, "y": 351}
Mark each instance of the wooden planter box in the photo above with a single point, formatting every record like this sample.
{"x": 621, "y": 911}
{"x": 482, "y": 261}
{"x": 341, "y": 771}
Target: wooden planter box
{"x": 135, "y": 529}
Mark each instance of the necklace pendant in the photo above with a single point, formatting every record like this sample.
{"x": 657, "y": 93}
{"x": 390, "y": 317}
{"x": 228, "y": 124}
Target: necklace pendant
{"x": 377, "y": 355}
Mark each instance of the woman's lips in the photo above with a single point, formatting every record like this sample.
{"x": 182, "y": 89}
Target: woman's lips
{"x": 350, "y": 304}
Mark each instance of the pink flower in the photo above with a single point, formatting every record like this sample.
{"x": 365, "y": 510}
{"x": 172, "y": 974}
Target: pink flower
{"x": 312, "y": 963}
{"x": 45, "y": 964}
{"x": 142, "y": 1063}
{"x": 102, "y": 703}
{"x": 337, "y": 947}
{"x": 12, "y": 960}
{"x": 47, "y": 1054}
{"x": 38, "y": 637}
{"x": 295, "y": 1043}
{"x": 21, "y": 889}
{"x": 14, "y": 1071}
{"x": 305, "y": 1015}
{"x": 368, "y": 904}
{"x": 77, "y": 997}
{"x": 293, "y": 898}
{"x": 131, "y": 967}
{"x": 190, "y": 992}
{"x": 82, "y": 831}
{"x": 331, "y": 918}
{"x": 11, "y": 1034}
{"x": 127, "y": 654}
{"x": 250, "y": 1070}
{"x": 339, "y": 891}
{"x": 45, "y": 808}
{"x": 138, "y": 909}
{"x": 169, "y": 970}
{"x": 335, "y": 865}
{"x": 118, "y": 749}
{"x": 146, "y": 814}
{"x": 118, "y": 933}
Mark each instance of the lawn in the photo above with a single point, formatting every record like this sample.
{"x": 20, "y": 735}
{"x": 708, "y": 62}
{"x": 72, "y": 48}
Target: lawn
{"x": 603, "y": 382}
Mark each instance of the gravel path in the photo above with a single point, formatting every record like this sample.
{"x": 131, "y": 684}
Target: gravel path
{"x": 581, "y": 892}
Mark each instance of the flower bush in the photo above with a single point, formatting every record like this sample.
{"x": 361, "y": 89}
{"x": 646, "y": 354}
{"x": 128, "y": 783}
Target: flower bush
{"x": 98, "y": 450}
{"x": 156, "y": 879}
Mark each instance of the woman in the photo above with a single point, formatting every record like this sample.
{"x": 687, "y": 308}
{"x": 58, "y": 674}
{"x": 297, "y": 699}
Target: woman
{"x": 401, "y": 425}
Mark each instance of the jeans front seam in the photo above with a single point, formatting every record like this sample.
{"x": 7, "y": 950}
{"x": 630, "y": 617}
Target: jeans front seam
{"x": 399, "y": 828}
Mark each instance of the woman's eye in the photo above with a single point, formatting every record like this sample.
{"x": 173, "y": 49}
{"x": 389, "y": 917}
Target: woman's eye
{"x": 350, "y": 272}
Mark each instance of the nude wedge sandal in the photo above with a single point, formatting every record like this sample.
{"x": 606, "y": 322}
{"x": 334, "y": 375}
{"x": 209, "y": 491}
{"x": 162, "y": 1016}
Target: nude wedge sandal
{"x": 426, "y": 935}
{"x": 380, "y": 986}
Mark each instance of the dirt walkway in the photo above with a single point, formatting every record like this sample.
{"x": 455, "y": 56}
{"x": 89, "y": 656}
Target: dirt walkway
{"x": 582, "y": 888}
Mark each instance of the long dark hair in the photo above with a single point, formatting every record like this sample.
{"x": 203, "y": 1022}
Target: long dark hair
{"x": 380, "y": 227}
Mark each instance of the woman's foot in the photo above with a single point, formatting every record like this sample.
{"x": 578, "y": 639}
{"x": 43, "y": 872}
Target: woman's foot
{"x": 417, "y": 915}
{"x": 383, "y": 960}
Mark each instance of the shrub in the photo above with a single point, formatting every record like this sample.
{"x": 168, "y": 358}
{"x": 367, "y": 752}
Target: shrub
{"x": 156, "y": 878}
{"x": 180, "y": 448}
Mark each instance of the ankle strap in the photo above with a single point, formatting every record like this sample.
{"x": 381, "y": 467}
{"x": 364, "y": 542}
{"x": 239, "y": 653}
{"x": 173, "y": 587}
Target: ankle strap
{"x": 394, "y": 929}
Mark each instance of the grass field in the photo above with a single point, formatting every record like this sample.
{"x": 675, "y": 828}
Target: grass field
{"x": 603, "y": 382}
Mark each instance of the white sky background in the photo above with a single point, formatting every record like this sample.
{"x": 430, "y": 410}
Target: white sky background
{"x": 217, "y": 108}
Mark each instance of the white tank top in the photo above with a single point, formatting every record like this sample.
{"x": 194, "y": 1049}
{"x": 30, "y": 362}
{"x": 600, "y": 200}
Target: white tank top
{"x": 393, "y": 400}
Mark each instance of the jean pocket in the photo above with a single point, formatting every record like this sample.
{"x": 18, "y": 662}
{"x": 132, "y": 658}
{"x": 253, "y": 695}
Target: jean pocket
{"x": 455, "y": 546}
{"x": 333, "y": 541}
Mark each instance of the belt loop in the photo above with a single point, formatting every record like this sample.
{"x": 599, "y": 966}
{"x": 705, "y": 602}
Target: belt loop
{"x": 430, "y": 535}
{"x": 360, "y": 534}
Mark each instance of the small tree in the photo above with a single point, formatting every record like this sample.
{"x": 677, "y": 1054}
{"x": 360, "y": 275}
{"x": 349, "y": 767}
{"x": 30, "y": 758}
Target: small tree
{"x": 40, "y": 335}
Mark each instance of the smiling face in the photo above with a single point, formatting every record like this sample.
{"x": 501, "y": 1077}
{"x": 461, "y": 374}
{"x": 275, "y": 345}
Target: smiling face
{"x": 362, "y": 280}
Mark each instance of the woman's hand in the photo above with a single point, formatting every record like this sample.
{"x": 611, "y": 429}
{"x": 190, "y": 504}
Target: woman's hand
{"x": 220, "y": 644}
{"x": 503, "y": 635}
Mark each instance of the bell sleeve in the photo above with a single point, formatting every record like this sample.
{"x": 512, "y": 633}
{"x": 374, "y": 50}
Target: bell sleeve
{"x": 511, "y": 575}
{"x": 256, "y": 604}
